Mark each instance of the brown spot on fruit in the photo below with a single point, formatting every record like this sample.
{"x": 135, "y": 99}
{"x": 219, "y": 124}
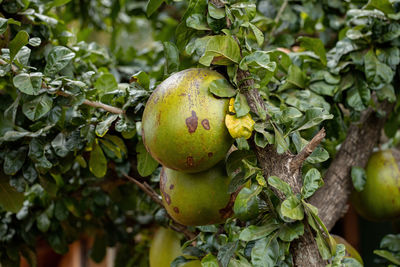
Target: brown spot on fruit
{"x": 191, "y": 122}
{"x": 190, "y": 161}
{"x": 206, "y": 124}
{"x": 210, "y": 154}
{"x": 163, "y": 181}
{"x": 176, "y": 209}
{"x": 171, "y": 187}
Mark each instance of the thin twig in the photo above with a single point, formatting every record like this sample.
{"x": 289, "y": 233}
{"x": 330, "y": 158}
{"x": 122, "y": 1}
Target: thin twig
{"x": 95, "y": 104}
{"x": 278, "y": 16}
{"x": 157, "y": 198}
{"x": 147, "y": 189}
{"x": 298, "y": 160}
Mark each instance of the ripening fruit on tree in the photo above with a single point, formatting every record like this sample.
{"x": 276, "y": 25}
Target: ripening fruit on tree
{"x": 184, "y": 124}
{"x": 165, "y": 247}
{"x": 197, "y": 198}
{"x": 380, "y": 198}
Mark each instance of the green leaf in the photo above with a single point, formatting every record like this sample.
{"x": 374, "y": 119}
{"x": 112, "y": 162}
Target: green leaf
{"x": 56, "y": 3}
{"x": 3, "y": 25}
{"x": 256, "y": 60}
{"x": 391, "y": 242}
{"x": 146, "y": 165}
{"x": 339, "y": 255}
{"x": 258, "y": 34}
{"x": 296, "y": 77}
{"x": 103, "y": 126}
{"x": 359, "y": 178}
{"x": 171, "y": 54}
{"x": 21, "y": 39}
{"x": 97, "y": 161}
{"x": 43, "y": 222}
{"x": 377, "y": 73}
{"x": 14, "y": 160}
{"x": 291, "y": 231}
{"x": 214, "y": 12}
{"x": 246, "y": 203}
{"x": 141, "y": 78}
{"x": 315, "y": 45}
{"x": 383, "y": 5}
{"x": 35, "y": 41}
{"x": 29, "y": 84}
{"x": 59, "y": 145}
{"x": 254, "y": 232}
{"x": 390, "y": 256}
{"x": 280, "y": 141}
{"x": 312, "y": 181}
{"x": 37, "y": 107}
{"x": 98, "y": 250}
{"x": 209, "y": 261}
{"x": 10, "y": 199}
{"x": 323, "y": 248}
{"x": 221, "y": 88}
{"x": 106, "y": 83}
{"x": 197, "y": 22}
{"x": 241, "y": 106}
{"x": 226, "y": 252}
{"x": 265, "y": 252}
{"x": 279, "y": 184}
{"x": 58, "y": 58}
{"x": 152, "y": 6}
{"x": 221, "y": 50}
{"x": 291, "y": 208}
{"x": 313, "y": 117}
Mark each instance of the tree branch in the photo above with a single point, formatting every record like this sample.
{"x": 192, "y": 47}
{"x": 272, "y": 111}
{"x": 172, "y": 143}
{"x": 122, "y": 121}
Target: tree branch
{"x": 157, "y": 199}
{"x": 331, "y": 200}
{"x": 298, "y": 160}
{"x": 95, "y": 104}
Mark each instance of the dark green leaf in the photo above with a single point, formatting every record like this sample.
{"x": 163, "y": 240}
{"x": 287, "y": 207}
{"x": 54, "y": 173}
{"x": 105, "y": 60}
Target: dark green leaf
{"x": 37, "y": 107}
{"x": 390, "y": 256}
{"x": 312, "y": 181}
{"x": 391, "y": 242}
{"x": 221, "y": 50}
{"x": 226, "y": 252}
{"x": 43, "y": 222}
{"x": 315, "y": 45}
{"x": 279, "y": 184}
{"x": 254, "y": 232}
{"x": 221, "y": 88}
{"x": 97, "y": 161}
{"x": 171, "y": 54}
{"x": 146, "y": 164}
{"x": 209, "y": 261}
{"x": 106, "y": 83}
{"x": 377, "y": 73}
{"x": 17, "y": 43}
{"x": 103, "y": 126}
{"x": 246, "y": 204}
{"x": 58, "y": 58}
{"x": 265, "y": 252}
{"x": 291, "y": 231}
{"x": 98, "y": 250}
{"x": 291, "y": 208}
{"x": 241, "y": 106}
{"x": 14, "y": 160}
{"x": 10, "y": 199}
{"x": 153, "y": 5}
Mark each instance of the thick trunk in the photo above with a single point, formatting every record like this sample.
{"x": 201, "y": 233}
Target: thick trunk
{"x": 362, "y": 137}
{"x": 287, "y": 167}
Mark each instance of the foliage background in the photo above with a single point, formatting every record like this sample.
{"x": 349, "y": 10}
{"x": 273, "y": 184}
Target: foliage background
{"x": 63, "y": 160}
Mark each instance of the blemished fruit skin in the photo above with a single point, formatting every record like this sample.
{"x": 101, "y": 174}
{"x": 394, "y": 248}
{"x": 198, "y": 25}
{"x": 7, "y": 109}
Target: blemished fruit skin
{"x": 165, "y": 247}
{"x": 380, "y": 199}
{"x": 183, "y": 124}
{"x": 197, "y": 198}
{"x": 350, "y": 250}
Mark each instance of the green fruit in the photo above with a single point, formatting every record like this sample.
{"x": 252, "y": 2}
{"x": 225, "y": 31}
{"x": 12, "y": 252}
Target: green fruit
{"x": 165, "y": 247}
{"x": 350, "y": 250}
{"x": 380, "y": 198}
{"x": 197, "y": 198}
{"x": 184, "y": 124}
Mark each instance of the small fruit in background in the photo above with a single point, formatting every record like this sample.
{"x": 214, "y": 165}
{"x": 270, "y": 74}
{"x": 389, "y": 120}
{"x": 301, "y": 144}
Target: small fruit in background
{"x": 380, "y": 198}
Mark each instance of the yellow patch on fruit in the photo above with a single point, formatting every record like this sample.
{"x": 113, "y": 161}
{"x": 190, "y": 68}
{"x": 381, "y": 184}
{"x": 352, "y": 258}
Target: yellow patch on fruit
{"x": 238, "y": 127}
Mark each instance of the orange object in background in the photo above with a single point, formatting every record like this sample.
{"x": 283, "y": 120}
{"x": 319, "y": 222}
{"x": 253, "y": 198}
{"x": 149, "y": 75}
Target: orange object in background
{"x": 77, "y": 256}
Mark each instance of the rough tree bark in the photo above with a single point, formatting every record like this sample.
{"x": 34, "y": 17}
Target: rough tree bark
{"x": 287, "y": 167}
{"x": 362, "y": 137}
